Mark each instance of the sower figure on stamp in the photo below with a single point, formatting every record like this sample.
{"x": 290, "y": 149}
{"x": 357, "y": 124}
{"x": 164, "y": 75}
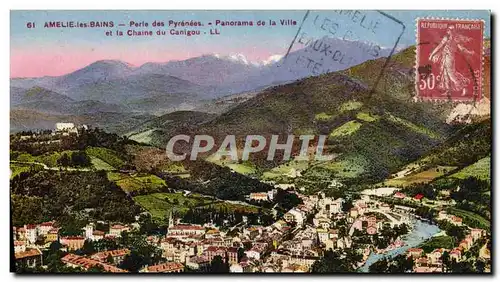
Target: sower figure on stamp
{"x": 450, "y": 79}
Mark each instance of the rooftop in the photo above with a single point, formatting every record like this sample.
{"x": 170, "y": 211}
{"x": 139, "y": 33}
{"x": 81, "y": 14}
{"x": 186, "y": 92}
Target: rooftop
{"x": 165, "y": 267}
{"x": 88, "y": 263}
{"x": 102, "y": 256}
{"x": 28, "y": 253}
{"x": 187, "y": 227}
{"x": 118, "y": 226}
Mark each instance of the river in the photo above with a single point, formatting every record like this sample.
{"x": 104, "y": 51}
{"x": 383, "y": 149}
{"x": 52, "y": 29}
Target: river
{"x": 421, "y": 231}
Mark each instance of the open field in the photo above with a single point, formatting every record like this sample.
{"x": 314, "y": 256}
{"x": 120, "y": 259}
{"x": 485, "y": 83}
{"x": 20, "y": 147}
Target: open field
{"x": 143, "y": 137}
{"x": 100, "y": 164}
{"x": 367, "y": 117}
{"x": 420, "y": 177}
{"x": 347, "y": 166}
{"x": 323, "y": 117}
{"x": 106, "y": 155}
{"x": 412, "y": 126}
{"x": 291, "y": 169}
{"x": 479, "y": 169}
{"x": 346, "y": 129}
{"x": 349, "y": 106}
{"x": 16, "y": 169}
{"x": 49, "y": 159}
{"x": 161, "y": 204}
{"x": 246, "y": 168}
{"x": 232, "y": 207}
{"x": 137, "y": 182}
{"x": 243, "y": 168}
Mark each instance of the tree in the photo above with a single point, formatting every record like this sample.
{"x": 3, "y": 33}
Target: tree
{"x": 110, "y": 259}
{"x": 398, "y": 264}
{"x": 380, "y": 266}
{"x": 446, "y": 261}
{"x": 248, "y": 245}
{"x": 96, "y": 269}
{"x": 401, "y": 264}
{"x": 80, "y": 158}
{"x": 63, "y": 160}
{"x": 332, "y": 262}
{"x": 147, "y": 225}
{"x": 52, "y": 257}
{"x": 132, "y": 262}
{"x": 347, "y": 205}
{"x": 462, "y": 267}
{"x": 241, "y": 254}
{"x": 55, "y": 246}
{"x": 218, "y": 265}
{"x": 88, "y": 247}
{"x": 480, "y": 266}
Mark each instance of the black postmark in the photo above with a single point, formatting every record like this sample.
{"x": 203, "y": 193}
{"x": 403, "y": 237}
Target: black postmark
{"x": 330, "y": 41}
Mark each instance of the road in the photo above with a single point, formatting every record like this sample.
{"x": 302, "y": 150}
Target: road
{"x": 53, "y": 168}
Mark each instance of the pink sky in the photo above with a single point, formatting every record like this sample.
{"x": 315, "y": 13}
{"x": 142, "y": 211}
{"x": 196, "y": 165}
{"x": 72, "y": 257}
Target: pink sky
{"x": 59, "y": 61}
{"x": 31, "y": 64}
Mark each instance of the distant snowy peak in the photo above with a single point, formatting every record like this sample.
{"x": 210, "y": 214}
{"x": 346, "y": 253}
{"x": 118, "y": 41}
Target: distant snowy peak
{"x": 234, "y": 58}
{"x": 240, "y": 58}
{"x": 272, "y": 59}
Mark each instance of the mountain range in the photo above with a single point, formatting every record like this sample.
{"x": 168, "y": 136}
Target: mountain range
{"x": 198, "y": 78}
{"x": 373, "y": 131}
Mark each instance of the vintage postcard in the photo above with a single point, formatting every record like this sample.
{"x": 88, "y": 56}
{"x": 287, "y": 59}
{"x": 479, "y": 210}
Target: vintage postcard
{"x": 293, "y": 141}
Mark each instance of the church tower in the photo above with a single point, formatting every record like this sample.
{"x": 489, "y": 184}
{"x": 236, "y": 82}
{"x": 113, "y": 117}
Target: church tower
{"x": 89, "y": 231}
{"x": 170, "y": 220}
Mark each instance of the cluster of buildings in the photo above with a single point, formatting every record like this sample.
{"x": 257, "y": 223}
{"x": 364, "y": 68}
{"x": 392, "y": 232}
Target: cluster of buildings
{"x": 400, "y": 195}
{"x": 76, "y": 261}
{"x": 197, "y": 246}
{"x": 432, "y": 262}
{"x": 45, "y": 232}
{"x": 453, "y": 219}
{"x": 367, "y": 224}
{"x": 292, "y": 243}
{"x": 29, "y": 239}
{"x": 66, "y": 128}
{"x": 263, "y": 196}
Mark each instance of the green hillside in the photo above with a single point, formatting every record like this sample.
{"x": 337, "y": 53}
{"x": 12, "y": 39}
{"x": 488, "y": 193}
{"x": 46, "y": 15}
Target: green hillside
{"x": 105, "y": 155}
{"x": 480, "y": 169}
{"x": 464, "y": 154}
{"x": 159, "y": 130}
{"x": 373, "y": 131}
{"x": 372, "y": 134}
{"x": 467, "y": 146}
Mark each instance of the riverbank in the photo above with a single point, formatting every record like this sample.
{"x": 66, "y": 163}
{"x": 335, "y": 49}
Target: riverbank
{"x": 421, "y": 231}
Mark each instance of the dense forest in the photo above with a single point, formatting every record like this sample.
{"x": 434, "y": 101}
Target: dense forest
{"x": 210, "y": 179}
{"x": 68, "y": 197}
{"x": 46, "y": 142}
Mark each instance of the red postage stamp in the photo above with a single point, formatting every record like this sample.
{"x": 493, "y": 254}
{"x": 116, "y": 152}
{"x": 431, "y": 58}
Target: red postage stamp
{"x": 449, "y": 59}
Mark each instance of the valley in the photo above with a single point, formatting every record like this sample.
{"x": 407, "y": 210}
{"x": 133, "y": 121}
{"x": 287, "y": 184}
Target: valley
{"x": 405, "y": 181}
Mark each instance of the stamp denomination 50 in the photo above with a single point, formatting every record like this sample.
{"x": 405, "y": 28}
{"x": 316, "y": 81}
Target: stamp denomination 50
{"x": 449, "y": 59}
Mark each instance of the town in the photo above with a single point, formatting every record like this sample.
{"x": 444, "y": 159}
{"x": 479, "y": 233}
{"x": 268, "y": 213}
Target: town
{"x": 373, "y": 230}
{"x": 293, "y": 243}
